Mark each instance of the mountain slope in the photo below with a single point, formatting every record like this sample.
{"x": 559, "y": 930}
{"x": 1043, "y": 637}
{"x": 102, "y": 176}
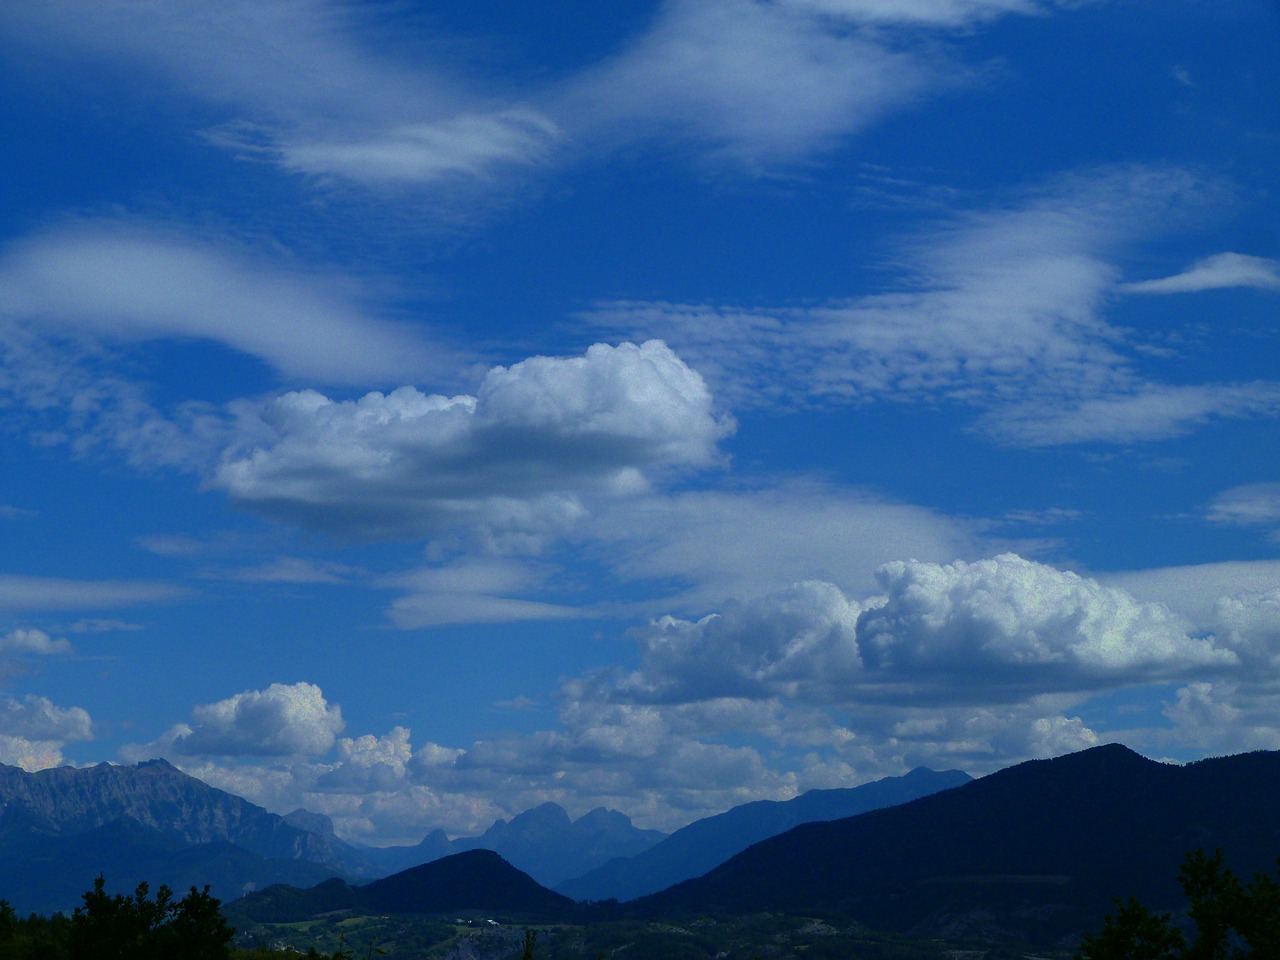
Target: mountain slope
{"x": 60, "y": 828}
{"x": 475, "y": 880}
{"x": 1035, "y": 851}
{"x": 544, "y": 843}
{"x": 693, "y": 850}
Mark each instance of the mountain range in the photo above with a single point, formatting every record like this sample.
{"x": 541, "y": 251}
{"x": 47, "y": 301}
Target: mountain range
{"x": 1034, "y": 852}
{"x": 60, "y": 828}
{"x": 693, "y": 850}
{"x": 1030, "y": 856}
{"x": 543, "y": 842}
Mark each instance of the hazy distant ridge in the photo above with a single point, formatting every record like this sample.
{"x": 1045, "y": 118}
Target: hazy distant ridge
{"x": 693, "y": 850}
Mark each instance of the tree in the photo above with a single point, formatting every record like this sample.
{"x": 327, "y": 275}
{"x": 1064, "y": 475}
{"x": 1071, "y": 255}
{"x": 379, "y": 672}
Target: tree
{"x": 1232, "y": 920}
{"x": 137, "y": 927}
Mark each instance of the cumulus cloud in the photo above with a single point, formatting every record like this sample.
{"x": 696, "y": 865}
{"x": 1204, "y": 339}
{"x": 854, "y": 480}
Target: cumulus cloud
{"x": 38, "y": 718}
{"x": 1222, "y": 271}
{"x": 123, "y": 282}
{"x": 1249, "y": 623}
{"x": 32, "y": 641}
{"x": 970, "y": 664}
{"x": 30, "y": 755}
{"x": 785, "y": 644}
{"x": 993, "y": 631}
{"x": 1008, "y": 625}
{"x": 519, "y": 456}
{"x": 284, "y": 720}
{"x": 1226, "y": 716}
{"x": 1194, "y": 591}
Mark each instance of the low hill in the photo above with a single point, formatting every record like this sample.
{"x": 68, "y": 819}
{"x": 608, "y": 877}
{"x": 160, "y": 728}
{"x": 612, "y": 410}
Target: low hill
{"x": 476, "y": 880}
{"x": 1034, "y": 852}
{"x": 693, "y": 850}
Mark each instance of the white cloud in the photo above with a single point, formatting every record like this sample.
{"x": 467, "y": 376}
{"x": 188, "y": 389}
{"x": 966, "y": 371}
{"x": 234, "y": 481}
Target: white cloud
{"x": 994, "y": 304}
{"x": 753, "y": 83}
{"x": 939, "y": 13}
{"x": 793, "y": 531}
{"x": 517, "y": 458}
{"x": 297, "y": 83}
{"x": 1254, "y": 503}
{"x": 1143, "y": 412}
{"x": 30, "y": 755}
{"x": 1226, "y": 716}
{"x": 1004, "y": 626}
{"x": 1000, "y": 310}
{"x": 50, "y": 593}
{"x": 473, "y": 591}
{"x": 32, "y": 641}
{"x": 284, "y": 720}
{"x": 122, "y": 283}
{"x": 39, "y": 719}
{"x": 297, "y": 86}
{"x": 794, "y": 643}
{"x": 468, "y": 145}
{"x": 1249, "y": 623}
{"x": 977, "y": 665}
{"x": 1224, "y": 270}
{"x": 1194, "y": 591}
{"x": 293, "y": 570}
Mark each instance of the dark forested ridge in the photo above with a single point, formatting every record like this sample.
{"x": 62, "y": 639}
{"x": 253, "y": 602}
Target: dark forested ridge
{"x": 476, "y": 880}
{"x": 693, "y": 850}
{"x": 1037, "y": 850}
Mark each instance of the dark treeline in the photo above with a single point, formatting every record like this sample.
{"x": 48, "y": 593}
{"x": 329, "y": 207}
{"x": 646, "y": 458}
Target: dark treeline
{"x": 128, "y": 927}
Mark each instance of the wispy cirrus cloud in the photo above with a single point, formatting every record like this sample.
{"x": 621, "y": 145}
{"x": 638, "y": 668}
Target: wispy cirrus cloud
{"x": 748, "y": 83}
{"x": 129, "y": 282}
{"x": 297, "y": 83}
{"x": 1219, "y": 272}
{"x": 19, "y": 592}
{"x": 1001, "y": 310}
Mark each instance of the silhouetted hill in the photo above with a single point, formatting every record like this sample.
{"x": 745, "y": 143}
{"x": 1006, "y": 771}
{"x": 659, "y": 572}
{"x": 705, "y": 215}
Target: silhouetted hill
{"x": 1034, "y": 851}
{"x": 693, "y": 850}
{"x": 476, "y": 880}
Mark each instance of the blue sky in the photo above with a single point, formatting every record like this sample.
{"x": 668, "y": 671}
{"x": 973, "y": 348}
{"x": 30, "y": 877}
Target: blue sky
{"x": 417, "y": 412}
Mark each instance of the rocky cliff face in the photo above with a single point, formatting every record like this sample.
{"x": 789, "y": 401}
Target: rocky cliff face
{"x": 66, "y": 801}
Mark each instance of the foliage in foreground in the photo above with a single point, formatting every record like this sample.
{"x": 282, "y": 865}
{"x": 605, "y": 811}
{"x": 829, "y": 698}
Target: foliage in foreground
{"x": 1232, "y": 920}
{"x": 120, "y": 927}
